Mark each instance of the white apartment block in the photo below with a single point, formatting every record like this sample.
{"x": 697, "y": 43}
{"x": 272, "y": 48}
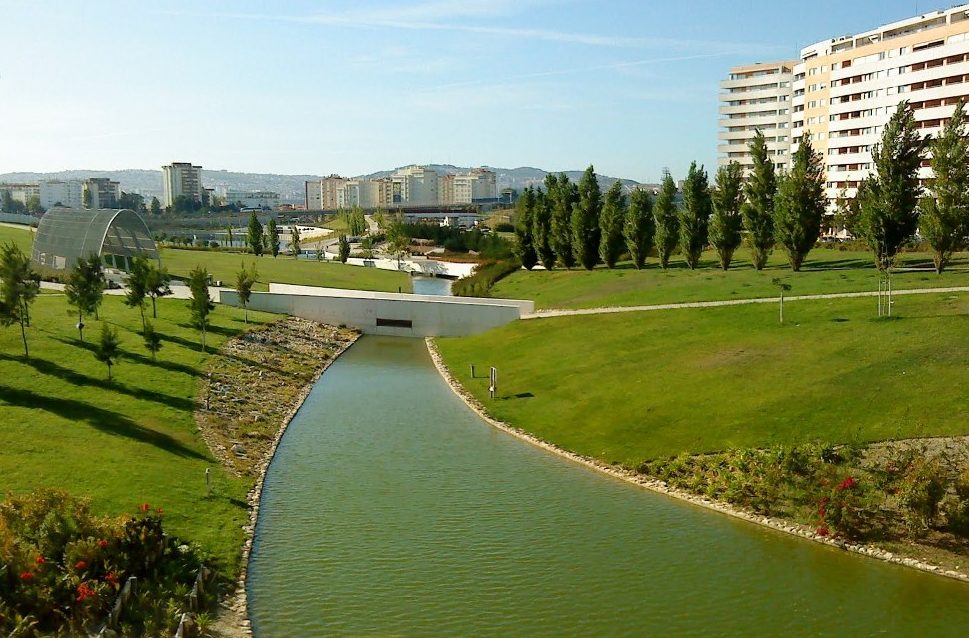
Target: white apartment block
{"x": 407, "y": 186}
{"x": 847, "y": 88}
{"x": 756, "y": 97}
{"x": 264, "y": 200}
{"x": 181, "y": 178}
{"x": 415, "y": 186}
{"x": 100, "y": 192}
{"x": 20, "y": 192}
{"x": 68, "y": 194}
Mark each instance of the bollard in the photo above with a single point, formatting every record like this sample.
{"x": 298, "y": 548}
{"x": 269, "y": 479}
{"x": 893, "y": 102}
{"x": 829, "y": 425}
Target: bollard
{"x": 493, "y": 388}
{"x": 472, "y": 370}
{"x": 208, "y": 482}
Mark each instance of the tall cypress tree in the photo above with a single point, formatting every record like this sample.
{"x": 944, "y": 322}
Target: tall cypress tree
{"x": 889, "y": 197}
{"x": 254, "y": 235}
{"x": 610, "y": 225}
{"x": 667, "y": 220}
{"x": 945, "y": 214}
{"x": 525, "y": 247}
{"x": 566, "y": 195}
{"x": 585, "y": 220}
{"x": 726, "y": 223}
{"x": 272, "y": 237}
{"x": 695, "y": 216}
{"x": 800, "y": 204}
{"x": 758, "y": 210}
{"x": 639, "y": 226}
{"x": 542, "y": 229}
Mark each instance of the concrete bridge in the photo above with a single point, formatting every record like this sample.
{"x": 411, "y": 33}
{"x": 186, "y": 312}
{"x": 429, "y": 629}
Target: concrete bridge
{"x": 381, "y": 313}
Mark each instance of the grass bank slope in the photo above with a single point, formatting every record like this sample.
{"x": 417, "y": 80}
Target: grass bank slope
{"x": 637, "y": 386}
{"x": 21, "y": 236}
{"x": 123, "y": 443}
{"x": 824, "y": 271}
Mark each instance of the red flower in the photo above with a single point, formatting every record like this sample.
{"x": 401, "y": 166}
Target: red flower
{"x": 40, "y": 560}
{"x": 159, "y": 510}
{"x": 145, "y": 507}
{"x": 102, "y": 543}
{"x": 84, "y": 591}
{"x": 823, "y": 531}
{"x": 847, "y": 484}
{"x": 111, "y": 577}
{"x": 26, "y": 576}
{"x": 80, "y": 565}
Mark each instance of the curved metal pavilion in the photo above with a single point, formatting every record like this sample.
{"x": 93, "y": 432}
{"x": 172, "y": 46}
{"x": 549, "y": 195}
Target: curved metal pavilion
{"x": 65, "y": 235}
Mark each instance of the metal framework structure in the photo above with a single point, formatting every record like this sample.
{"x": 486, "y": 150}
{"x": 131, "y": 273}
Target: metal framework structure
{"x": 65, "y": 235}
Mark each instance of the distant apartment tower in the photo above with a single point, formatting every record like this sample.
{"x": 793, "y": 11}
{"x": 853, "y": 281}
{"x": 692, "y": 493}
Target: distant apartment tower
{"x": 265, "y": 200}
{"x": 181, "y": 178}
{"x": 66, "y": 193}
{"x": 755, "y": 98}
{"x": 313, "y": 195}
{"x": 100, "y": 192}
{"x": 479, "y": 185}
{"x": 415, "y": 185}
{"x": 20, "y": 192}
{"x": 847, "y": 88}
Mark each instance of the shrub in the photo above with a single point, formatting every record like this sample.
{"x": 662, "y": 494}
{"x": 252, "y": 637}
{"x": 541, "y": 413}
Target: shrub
{"x": 920, "y": 492}
{"x": 957, "y": 507}
{"x": 484, "y": 277}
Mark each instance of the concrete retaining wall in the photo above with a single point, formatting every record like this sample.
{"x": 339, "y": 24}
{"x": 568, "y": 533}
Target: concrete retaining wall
{"x": 392, "y": 314}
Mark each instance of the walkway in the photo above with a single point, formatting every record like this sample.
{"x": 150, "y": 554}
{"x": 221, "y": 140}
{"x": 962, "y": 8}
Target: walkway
{"x": 544, "y": 314}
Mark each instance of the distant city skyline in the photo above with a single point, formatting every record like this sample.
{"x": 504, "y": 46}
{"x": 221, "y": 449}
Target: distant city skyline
{"x": 300, "y": 88}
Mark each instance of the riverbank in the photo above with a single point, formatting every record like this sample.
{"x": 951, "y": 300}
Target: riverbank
{"x": 621, "y": 473}
{"x": 247, "y": 400}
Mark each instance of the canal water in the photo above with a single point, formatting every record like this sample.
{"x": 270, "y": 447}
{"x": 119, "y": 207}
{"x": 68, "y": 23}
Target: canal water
{"x": 431, "y": 286}
{"x": 393, "y": 510}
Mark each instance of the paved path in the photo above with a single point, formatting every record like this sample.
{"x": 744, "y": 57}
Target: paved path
{"x": 178, "y": 292}
{"x": 542, "y": 314}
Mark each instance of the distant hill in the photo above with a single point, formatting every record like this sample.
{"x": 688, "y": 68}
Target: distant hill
{"x": 290, "y": 187}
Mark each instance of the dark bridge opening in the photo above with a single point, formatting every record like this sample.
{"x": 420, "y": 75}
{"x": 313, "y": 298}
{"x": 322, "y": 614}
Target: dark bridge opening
{"x": 395, "y": 323}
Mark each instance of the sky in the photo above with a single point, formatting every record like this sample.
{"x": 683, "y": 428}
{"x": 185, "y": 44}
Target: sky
{"x": 346, "y": 87}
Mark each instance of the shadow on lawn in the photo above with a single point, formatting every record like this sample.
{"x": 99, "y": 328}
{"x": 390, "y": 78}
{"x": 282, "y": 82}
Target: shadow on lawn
{"x": 71, "y": 376}
{"x": 98, "y": 418}
{"x": 171, "y": 366}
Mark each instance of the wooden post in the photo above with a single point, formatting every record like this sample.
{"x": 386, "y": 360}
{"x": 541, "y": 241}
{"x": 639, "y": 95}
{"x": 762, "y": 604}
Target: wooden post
{"x": 472, "y": 370}
{"x": 208, "y": 482}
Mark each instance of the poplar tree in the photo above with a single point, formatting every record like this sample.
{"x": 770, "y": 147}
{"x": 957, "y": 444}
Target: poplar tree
{"x": 800, "y": 204}
{"x": 344, "y": 253}
{"x": 542, "y": 229}
{"x": 294, "y": 242}
{"x": 945, "y": 213}
{"x": 888, "y": 199}
{"x": 19, "y": 286}
{"x": 585, "y": 220}
{"x": 726, "y": 223}
{"x": 245, "y": 280}
{"x": 525, "y": 246}
{"x": 695, "y": 216}
{"x": 566, "y": 195}
{"x": 85, "y": 288}
{"x": 272, "y": 236}
{"x": 200, "y": 305}
{"x": 254, "y": 235}
{"x": 758, "y": 210}
{"x": 610, "y": 225}
{"x": 639, "y": 227}
{"x": 667, "y": 220}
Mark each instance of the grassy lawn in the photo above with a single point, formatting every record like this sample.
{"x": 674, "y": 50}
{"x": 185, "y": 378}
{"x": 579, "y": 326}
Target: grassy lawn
{"x": 825, "y": 271}
{"x": 124, "y": 443}
{"x": 20, "y": 236}
{"x": 636, "y": 386}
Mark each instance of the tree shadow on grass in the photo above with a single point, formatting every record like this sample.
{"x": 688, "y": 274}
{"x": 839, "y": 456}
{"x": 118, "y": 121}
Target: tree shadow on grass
{"x": 98, "y": 418}
{"x": 71, "y": 376}
{"x": 216, "y": 330}
{"x": 189, "y": 344}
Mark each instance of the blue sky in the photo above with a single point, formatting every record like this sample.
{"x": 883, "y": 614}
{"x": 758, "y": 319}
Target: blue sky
{"x": 353, "y": 87}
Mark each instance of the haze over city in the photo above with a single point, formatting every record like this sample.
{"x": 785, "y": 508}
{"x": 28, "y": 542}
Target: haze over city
{"x": 319, "y": 87}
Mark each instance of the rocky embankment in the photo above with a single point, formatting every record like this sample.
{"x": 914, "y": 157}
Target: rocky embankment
{"x": 249, "y": 394}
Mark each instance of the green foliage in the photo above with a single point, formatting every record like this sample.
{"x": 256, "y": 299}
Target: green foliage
{"x": 800, "y": 204}
{"x": 726, "y": 223}
{"x": 11, "y": 205}
{"x": 156, "y": 284}
{"x": 639, "y": 227}
{"x": 667, "y": 220}
{"x": 272, "y": 237}
{"x": 758, "y": 211}
{"x": 524, "y": 225}
{"x": 920, "y": 490}
{"x": 847, "y": 213}
{"x": 542, "y": 229}
{"x": 944, "y": 219}
{"x": 344, "y": 248}
{"x": 586, "y": 231}
{"x": 484, "y": 277}
{"x": 200, "y": 304}
{"x": 108, "y": 348}
{"x": 33, "y": 205}
{"x": 564, "y": 195}
{"x": 889, "y": 197}
{"x": 19, "y": 287}
{"x": 245, "y": 279}
{"x": 294, "y": 242}
{"x": 254, "y": 235}
{"x": 611, "y": 225}
{"x": 85, "y": 288}
{"x": 695, "y": 216}
{"x": 155, "y": 208}
{"x": 356, "y": 221}
{"x": 152, "y": 339}
{"x": 132, "y": 201}
{"x": 136, "y": 285}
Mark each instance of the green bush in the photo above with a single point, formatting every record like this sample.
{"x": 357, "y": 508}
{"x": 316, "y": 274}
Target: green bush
{"x": 484, "y": 277}
{"x": 920, "y": 492}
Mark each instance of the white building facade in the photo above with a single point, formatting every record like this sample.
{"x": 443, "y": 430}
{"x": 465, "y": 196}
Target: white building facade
{"x": 66, "y": 193}
{"x": 181, "y": 178}
{"x": 263, "y": 200}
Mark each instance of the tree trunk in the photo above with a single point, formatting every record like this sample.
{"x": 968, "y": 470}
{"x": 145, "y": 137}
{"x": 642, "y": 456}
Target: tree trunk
{"x": 23, "y": 335}
{"x": 796, "y": 260}
{"x": 939, "y": 259}
{"x": 80, "y": 324}
{"x": 109, "y": 371}
{"x": 154, "y": 307}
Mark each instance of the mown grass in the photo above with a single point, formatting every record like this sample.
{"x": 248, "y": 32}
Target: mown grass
{"x": 23, "y": 237}
{"x": 63, "y": 425}
{"x": 637, "y": 386}
{"x": 825, "y": 271}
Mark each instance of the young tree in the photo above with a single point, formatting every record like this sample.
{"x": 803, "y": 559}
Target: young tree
{"x": 524, "y": 212}
{"x": 398, "y": 241}
{"x": 945, "y": 213}
{"x": 610, "y": 225}
{"x": 108, "y": 348}
{"x": 639, "y": 226}
{"x": 888, "y": 198}
{"x": 356, "y": 222}
{"x": 695, "y": 216}
{"x": 586, "y": 233}
{"x": 155, "y": 208}
{"x": 847, "y": 213}
{"x": 136, "y": 285}
{"x": 294, "y": 247}
{"x": 800, "y": 204}
{"x": 542, "y": 229}
{"x": 228, "y": 238}
{"x": 726, "y": 223}
{"x": 319, "y": 253}
{"x": 85, "y": 288}
{"x": 272, "y": 237}
{"x": 758, "y": 210}
{"x": 344, "y": 248}
{"x": 254, "y": 235}
{"x": 565, "y": 195}
{"x": 151, "y": 339}
{"x": 19, "y": 286}
{"x": 667, "y": 220}
{"x": 200, "y": 304}
{"x": 245, "y": 279}
{"x": 156, "y": 285}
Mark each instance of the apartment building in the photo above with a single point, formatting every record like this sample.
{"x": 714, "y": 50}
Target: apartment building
{"x": 182, "y": 178}
{"x": 20, "y": 192}
{"x": 408, "y": 186}
{"x": 313, "y": 195}
{"x": 100, "y": 192}
{"x": 756, "y": 97}
{"x": 265, "y": 200}
{"x": 66, "y": 193}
